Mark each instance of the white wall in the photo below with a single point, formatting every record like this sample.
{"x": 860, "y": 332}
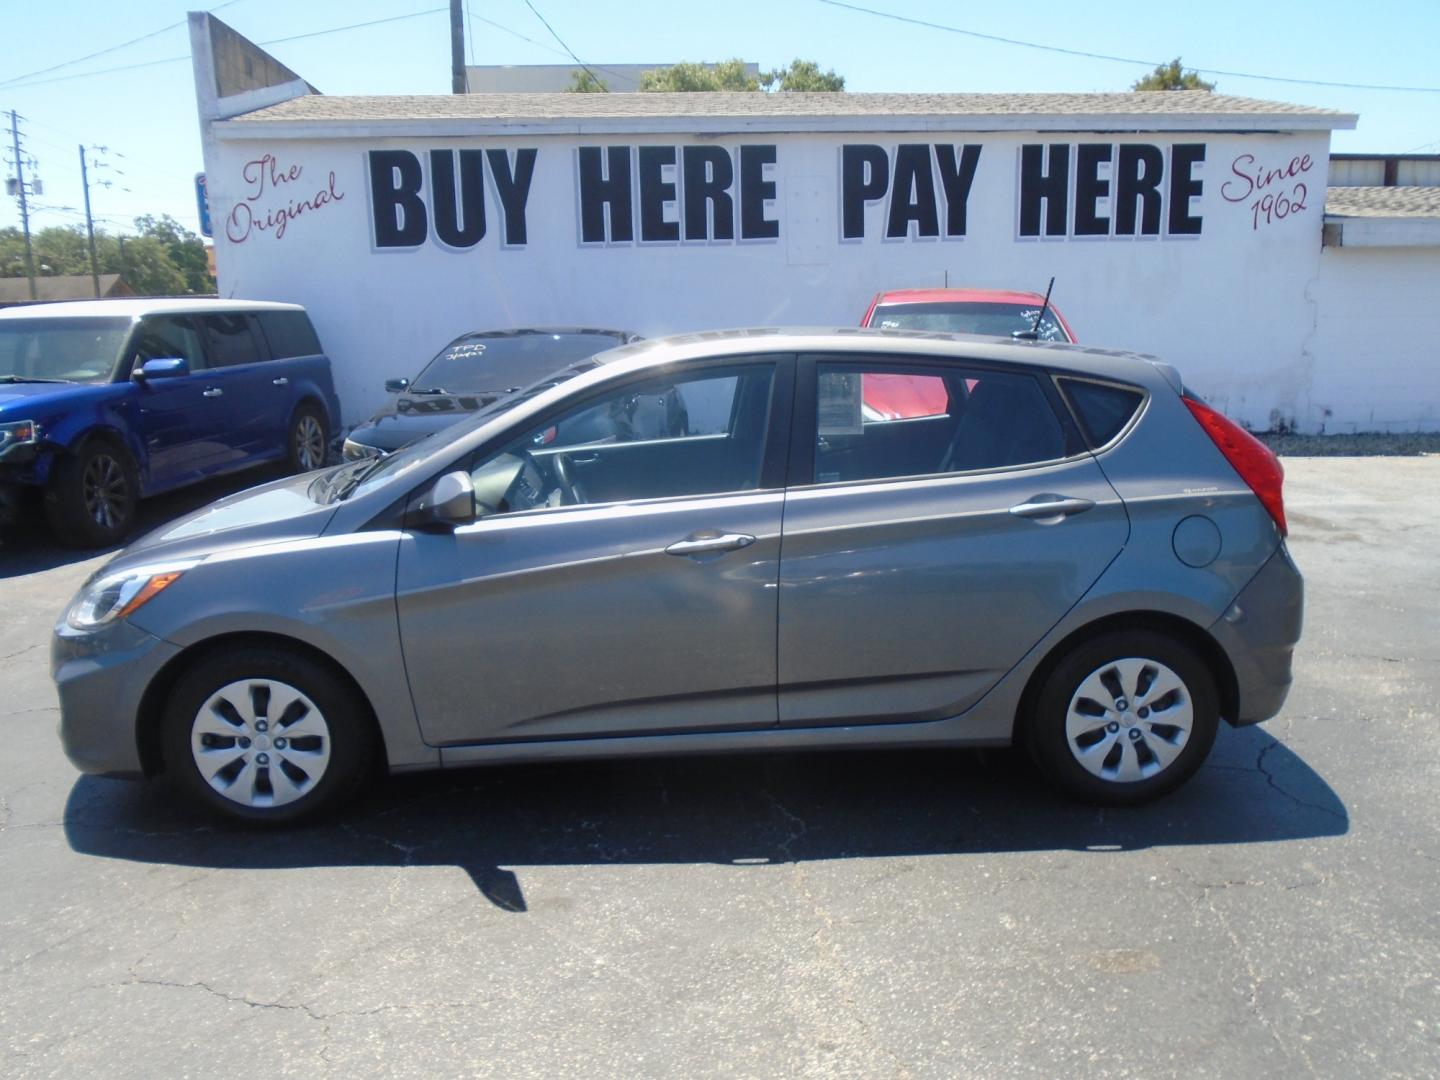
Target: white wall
{"x": 1230, "y": 307}
{"x": 1375, "y": 353}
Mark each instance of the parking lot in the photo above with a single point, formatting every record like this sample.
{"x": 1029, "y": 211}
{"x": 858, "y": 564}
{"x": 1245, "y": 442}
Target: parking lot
{"x": 899, "y": 914}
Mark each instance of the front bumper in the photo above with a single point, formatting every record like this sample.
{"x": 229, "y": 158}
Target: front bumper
{"x": 1259, "y": 632}
{"x": 101, "y": 679}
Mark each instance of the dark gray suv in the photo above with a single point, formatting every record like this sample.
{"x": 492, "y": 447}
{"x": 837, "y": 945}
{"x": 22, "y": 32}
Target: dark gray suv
{"x": 1071, "y": 552}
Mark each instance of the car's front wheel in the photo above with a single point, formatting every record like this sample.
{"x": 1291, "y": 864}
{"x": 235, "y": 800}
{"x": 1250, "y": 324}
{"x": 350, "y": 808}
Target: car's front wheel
{"x": 262, "y": 735}
{"x": 92, "y": 496}
{"x": 1124, "y": 718}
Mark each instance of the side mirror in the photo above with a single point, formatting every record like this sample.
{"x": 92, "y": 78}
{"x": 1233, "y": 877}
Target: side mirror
{"x": 396, "y": 386}
{"x": 449, "y": 502}
{"x": 172, "y": 367}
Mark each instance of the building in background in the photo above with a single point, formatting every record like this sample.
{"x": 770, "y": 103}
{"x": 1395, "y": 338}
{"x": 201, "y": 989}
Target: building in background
{"x": 555, "y": 78}
{"x": 1187, "y": 224}
{"x": 16, "y": 290}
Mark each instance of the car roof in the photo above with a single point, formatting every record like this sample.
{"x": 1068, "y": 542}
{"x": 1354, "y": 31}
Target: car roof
{"x": 1077, "y": 359}
{"x": 953, "y": 296}
{"x": 134, "y": 307}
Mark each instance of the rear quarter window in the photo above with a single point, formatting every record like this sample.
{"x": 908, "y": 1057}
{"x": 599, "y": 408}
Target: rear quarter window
{"x": 1103, "y": 408}
{"x": 289, "y": 333}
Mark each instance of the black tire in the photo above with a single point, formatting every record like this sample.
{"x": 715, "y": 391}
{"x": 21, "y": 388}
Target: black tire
{"x": 91, "y": 499}
{"x": 307, "y": 439}
{"x": 1118, "y": 771}
{"x": 348, "y": 741}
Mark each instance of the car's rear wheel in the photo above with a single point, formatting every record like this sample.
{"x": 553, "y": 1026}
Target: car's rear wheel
{"x": 306, "y": 443}
{"x": 92, "y": 496}
{"x": 1124, "y": 718}
{"x": 264, "y": 736}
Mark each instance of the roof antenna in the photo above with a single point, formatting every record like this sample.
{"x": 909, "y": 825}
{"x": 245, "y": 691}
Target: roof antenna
{"x": 1033, "y": 334}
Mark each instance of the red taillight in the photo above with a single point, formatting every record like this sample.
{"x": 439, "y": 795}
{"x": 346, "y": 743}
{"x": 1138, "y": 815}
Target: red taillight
{"x": 1251, "y": 458}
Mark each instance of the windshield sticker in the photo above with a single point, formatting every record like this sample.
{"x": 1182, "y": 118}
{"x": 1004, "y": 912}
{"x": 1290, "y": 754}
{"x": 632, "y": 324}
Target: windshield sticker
{"x": 839, "y": 404}
{"x": 464, "y": 352}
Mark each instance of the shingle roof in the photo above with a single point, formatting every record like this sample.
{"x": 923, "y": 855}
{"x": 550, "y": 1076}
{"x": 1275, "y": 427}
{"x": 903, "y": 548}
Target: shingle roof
{"x": 1179, "y": 109}
{"x": 16, "y": 290}
{"x": 1382, "y": 202}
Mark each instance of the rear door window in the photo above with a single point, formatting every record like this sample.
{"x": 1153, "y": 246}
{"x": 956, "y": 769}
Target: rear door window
{"x": 232, "y": 340}
{"x": 986, "y": 419}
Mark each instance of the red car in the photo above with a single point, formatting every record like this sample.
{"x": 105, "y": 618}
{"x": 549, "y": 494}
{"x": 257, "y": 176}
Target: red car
{"x": 995, "y": 312}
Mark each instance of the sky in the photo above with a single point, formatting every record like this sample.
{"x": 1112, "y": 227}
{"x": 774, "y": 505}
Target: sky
{"x": 137, "y": 98}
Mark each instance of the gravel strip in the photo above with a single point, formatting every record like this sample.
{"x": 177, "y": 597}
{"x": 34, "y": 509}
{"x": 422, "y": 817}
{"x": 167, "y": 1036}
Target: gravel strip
{"x": 1393, "y": 444}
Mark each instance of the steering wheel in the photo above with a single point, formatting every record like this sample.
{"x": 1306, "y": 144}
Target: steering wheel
{"x": 569, "y": 489}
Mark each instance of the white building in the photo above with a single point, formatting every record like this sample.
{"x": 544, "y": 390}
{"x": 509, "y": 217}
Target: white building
{"x": 1185, "y": 224}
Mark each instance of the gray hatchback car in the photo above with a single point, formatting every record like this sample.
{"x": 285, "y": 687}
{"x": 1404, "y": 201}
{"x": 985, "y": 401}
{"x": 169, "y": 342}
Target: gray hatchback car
{"x": 1063, "y": 548}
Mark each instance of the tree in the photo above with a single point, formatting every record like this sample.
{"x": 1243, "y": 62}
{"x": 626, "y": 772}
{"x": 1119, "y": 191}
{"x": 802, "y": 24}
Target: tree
{"x": 186, "y": 250}
{"x": 164, "y": 259}
{"x": 145, "y": 264}
{"x": 803, "y": 76}
{"x": 688, "y": 77}
{"x": 1172, "y": 77}
{"x": 585, "y": 81}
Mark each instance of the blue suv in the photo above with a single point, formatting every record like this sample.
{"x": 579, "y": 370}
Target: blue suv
{"x": 104, "y": 402}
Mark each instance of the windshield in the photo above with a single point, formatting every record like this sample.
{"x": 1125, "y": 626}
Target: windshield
{"x": 61, "y": 350}
{"x": 477, "y": 363}
{"x": 969, "y": 317}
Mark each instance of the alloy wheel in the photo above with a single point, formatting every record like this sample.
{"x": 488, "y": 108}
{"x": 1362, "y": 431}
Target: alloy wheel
{"x": 105, "y": 491}
{"x": 309, "y": 442}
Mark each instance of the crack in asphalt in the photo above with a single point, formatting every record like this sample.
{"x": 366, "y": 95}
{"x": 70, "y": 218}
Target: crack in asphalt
{"x": 823, "y": 937}
{"x": 1252, "y": 973}
{"x": 1274, "y": 782}
{"x": 22, "y": 652}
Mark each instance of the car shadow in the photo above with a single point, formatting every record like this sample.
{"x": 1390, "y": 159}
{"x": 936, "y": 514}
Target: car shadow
{"x": 29, "y": 547}
{"x": 739, "y": 810}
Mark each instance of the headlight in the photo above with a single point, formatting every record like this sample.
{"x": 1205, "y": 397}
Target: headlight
{"x": 19, "y": 433}
{"x": 114, "y": 596}
{"x": 354, "y": 451}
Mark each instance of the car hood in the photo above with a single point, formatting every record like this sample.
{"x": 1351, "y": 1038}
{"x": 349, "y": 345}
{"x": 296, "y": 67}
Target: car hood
{"x": 409, "y": 416}
{"x": 268, "y": 514}
{"x": 18, "y": 401}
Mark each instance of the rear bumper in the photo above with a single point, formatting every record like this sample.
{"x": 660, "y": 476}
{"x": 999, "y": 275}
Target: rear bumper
{"x": 1259, "y": 632}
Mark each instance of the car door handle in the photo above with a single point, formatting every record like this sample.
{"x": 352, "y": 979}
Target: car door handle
{"x": 700, "y": 543}
{"x": 282, "y": 381}
{"x": 213, "y": 391}
{"x": 1056, "y": 507}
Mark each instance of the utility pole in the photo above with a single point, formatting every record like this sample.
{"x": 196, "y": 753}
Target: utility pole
{"x": 24, "y": 206}
{"x": 457, "y": 46}
{"x": 89, "y": 224}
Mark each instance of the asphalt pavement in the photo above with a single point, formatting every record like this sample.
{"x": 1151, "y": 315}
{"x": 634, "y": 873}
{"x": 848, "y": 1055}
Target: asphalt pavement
{"x": 853, "y": 915}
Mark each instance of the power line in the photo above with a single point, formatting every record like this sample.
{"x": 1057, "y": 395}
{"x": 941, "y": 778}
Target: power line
{"x": 272, "y": 41}
{"x": 1119, "y": 59}
{"x": 541, "y": 44}
{"x": 354, "y": 26}
{"x": 558, "y": 38}
{"x": 111, "y": 49}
